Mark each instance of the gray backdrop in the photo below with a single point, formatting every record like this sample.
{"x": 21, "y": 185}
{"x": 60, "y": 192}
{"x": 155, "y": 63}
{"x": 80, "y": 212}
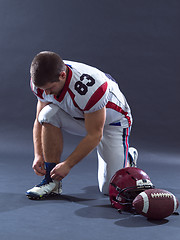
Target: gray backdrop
{"x": 136, "y": 41}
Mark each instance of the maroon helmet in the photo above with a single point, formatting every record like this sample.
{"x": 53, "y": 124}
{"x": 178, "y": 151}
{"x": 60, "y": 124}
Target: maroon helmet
{"x": 125, "y": 185}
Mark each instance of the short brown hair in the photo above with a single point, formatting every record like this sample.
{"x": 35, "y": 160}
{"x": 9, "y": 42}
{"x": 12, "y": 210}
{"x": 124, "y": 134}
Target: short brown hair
{"x": 46, "y": 67}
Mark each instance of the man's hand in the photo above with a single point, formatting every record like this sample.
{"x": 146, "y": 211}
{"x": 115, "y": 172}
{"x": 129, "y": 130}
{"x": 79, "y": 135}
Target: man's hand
{"x": 60, "y": 171}
{"x": 38, "y": 166}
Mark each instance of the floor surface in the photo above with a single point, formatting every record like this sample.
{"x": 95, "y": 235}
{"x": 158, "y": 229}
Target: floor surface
{"x": 81, "y": 212}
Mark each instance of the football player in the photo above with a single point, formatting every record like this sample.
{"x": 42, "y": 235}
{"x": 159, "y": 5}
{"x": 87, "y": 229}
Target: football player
{"x": 81, "y": 100}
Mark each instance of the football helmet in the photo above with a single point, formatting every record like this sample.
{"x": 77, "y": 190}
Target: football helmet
{"x": 125, "y": 185}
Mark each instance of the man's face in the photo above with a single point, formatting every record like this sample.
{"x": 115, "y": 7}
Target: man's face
{"x": 55, "y": 88}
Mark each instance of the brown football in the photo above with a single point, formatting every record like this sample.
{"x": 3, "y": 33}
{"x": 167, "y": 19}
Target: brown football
{"x": 155, "y": 203}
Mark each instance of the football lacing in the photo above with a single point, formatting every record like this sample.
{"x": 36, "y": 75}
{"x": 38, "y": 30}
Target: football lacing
{"x": 157, "y": 195}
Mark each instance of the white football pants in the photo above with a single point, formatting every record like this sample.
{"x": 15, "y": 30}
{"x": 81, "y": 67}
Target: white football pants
{"x": 112, "y": 151}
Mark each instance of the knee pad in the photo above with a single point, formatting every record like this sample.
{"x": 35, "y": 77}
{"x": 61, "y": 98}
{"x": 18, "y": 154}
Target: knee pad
{"x": 49, "y": 115}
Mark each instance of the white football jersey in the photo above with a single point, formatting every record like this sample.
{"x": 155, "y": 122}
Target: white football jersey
{"x": 87, "y": 90}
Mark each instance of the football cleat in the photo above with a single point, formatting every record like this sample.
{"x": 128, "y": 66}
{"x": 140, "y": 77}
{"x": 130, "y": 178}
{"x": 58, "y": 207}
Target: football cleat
{"x": 133, "y": 156}
{"x": 44, "y": 189}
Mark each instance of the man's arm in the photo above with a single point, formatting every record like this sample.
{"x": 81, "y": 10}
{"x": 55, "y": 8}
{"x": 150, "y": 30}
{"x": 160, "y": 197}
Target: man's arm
{"x": 38, "y": 163}
{"x": 94, "y": 123}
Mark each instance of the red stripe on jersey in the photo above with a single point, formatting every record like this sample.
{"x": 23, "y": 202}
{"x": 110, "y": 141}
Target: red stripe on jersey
{"x": 126, "y": 147}
{"x": 66, "y": 85}
{"x": 72, "y": 97}
{"x": 118, "y": 109}
{"x": 97, "y": 95}
{"x": 39, "y": 91}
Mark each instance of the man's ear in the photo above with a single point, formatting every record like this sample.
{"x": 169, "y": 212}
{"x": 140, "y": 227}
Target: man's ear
{"x": 62, "y": 75}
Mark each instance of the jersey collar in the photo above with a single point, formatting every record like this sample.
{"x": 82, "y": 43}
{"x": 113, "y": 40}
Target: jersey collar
{"x": 66, "y": 85}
